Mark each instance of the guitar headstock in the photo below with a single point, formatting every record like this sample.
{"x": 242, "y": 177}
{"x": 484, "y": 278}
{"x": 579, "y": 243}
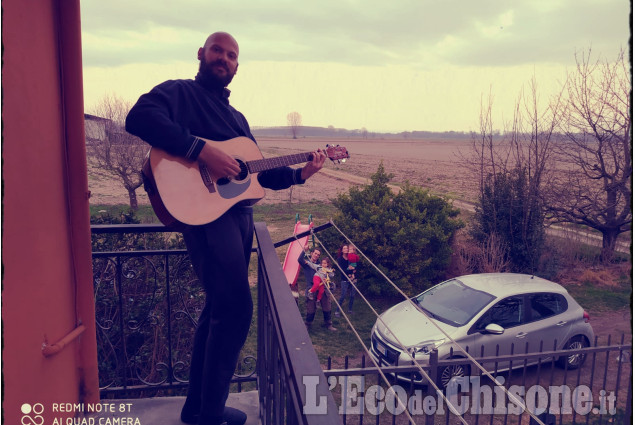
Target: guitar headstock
{"x": 336, "y": 153}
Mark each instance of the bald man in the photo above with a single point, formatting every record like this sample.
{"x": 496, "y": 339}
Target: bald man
{"x": 172, "y": 117}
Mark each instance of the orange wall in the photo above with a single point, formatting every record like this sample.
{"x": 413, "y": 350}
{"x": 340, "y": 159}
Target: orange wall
{"x": 47, "y": 281}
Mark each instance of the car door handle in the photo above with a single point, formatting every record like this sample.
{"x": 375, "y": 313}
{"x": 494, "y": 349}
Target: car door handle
{"x": 521, "y": 335}
{"x": 561, "y": 323}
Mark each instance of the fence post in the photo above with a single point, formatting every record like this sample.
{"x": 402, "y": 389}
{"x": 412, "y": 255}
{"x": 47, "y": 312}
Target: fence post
{"x": 433, "y": 372}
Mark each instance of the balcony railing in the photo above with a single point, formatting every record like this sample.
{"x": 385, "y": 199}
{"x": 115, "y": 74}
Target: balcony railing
{"x": 147, "y": 304}
{"x": 289, "y": 372}
{"x": 146, "y": 307}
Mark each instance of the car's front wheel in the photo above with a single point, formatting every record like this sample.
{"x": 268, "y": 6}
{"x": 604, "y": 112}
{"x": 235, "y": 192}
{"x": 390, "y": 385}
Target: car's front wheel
{"x": 574, "y": 361}
{"x": 452, "y": 371}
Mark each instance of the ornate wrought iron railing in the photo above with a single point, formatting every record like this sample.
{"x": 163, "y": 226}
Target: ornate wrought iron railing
{"x": 147, "y": 302}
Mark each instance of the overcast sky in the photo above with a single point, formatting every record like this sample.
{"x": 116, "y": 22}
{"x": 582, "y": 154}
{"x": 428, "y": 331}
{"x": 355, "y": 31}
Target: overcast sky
{"x": 390, "y": 65}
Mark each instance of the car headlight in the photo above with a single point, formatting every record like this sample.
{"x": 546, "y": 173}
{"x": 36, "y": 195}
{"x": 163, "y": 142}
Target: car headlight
{"x": 426, "y": 346}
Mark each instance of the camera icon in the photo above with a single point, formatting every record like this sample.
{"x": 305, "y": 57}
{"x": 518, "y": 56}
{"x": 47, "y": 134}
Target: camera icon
{"x": 32, "y": 414}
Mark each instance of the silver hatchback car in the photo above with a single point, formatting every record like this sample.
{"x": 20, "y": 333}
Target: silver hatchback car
{"x": 481, "y": 310}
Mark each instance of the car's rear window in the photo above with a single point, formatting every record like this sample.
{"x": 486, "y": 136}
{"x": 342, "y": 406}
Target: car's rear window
{"x": 452, "y": 302}
{"x": 545, "y": 305}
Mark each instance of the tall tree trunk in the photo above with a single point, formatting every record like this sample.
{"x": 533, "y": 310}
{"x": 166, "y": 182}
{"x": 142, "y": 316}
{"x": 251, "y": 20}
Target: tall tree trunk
{"x": 132, "y": 194}
{"x": 609, "y": 240}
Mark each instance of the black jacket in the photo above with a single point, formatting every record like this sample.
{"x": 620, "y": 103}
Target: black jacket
{"x": 174, "y": 113}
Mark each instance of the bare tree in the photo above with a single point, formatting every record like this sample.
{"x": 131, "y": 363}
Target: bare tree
{"x": 489, "y": 256}
{"x": 113, "y": 152}
{"x": 294, "y": 120}
{"x": 512, "y": 171}
{"x": 493, "y": 255}
{"x": 595, "y": 189}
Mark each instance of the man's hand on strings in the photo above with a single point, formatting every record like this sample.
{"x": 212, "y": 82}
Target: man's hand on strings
{"x": 315, "y": 165}
{"x": 218, "y": 162}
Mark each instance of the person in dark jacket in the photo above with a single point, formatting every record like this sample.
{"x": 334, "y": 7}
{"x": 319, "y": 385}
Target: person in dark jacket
{"x": 174, "y": 116}
{"x": 310, "y": 265}
{"x": 347, "y": 260}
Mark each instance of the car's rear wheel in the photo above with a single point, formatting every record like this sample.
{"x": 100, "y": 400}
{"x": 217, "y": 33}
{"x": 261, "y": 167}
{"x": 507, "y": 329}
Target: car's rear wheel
{"x": 451, "y": 371}
{"x": 575, "y": 360}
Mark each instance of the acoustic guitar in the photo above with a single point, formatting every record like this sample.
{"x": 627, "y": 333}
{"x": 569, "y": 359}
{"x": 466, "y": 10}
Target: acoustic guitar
{"x": 184, "y": 192}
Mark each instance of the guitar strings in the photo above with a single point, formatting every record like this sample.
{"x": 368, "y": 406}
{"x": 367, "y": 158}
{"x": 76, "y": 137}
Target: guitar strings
{"x": 258, "y": 165}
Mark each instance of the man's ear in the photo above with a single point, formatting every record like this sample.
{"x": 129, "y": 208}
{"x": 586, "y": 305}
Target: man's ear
{"x": 200, "y": 53}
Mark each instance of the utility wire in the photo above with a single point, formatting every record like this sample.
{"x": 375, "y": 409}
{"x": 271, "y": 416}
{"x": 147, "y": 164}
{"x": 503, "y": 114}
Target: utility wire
{"x": 359, "y": 338}
{"x": 404, "y": 348}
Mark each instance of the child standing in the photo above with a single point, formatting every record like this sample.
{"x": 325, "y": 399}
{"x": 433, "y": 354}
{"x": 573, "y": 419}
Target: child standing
{"x": 353, "y": 259}
{"x": 348, "y": 262}
{"x": 322, "y": 279}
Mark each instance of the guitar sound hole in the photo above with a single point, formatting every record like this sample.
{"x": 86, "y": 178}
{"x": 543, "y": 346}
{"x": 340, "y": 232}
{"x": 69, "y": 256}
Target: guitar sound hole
{"x": 244, "y": 172}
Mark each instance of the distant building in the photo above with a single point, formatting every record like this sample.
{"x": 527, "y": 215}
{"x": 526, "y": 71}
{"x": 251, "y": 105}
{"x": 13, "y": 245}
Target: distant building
{"x": 100, "y": 129}
{"x": 95, "y": 128}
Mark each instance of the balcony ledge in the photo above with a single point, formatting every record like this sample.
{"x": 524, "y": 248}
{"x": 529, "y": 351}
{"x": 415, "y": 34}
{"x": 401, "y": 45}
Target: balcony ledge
{"x": 167, "y": 410}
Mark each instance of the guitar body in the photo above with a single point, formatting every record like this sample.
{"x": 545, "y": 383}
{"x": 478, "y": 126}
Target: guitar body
{"x": 182, "y": 192}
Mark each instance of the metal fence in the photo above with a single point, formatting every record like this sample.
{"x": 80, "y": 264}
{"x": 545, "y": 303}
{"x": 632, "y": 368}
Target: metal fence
{"x": 292, "y": 388}
{"x": 598, "y": 392}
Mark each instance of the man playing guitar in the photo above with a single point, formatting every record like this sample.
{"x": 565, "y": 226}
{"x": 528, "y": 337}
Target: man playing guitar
{"x": 175, "y": 116}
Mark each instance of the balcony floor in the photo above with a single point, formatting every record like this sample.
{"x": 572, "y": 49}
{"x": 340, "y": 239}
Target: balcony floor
{"x": 167, "y": 410}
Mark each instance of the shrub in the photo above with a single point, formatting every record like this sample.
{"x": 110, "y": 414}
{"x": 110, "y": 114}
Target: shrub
{"x": 508, "y": 212}
{"x": 130, "y": 241}
{"x": 407, "y": 234}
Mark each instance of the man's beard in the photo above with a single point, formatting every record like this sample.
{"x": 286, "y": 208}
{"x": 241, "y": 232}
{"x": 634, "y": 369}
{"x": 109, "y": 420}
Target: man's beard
{"x": 206, "y": 70}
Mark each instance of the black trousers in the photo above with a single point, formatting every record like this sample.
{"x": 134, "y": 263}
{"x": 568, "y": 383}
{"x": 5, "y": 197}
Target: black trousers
{"x": 311, "y": 308}
{"x": 220, "y": 253}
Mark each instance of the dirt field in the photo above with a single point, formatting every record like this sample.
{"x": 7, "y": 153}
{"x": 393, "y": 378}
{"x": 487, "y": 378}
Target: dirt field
{"x": 432, "y": 164}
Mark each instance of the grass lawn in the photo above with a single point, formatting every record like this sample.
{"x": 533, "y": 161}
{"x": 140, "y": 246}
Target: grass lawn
{"x": 344, "y": 341}
{"x": 601, "y": 298}
{"x": 335, "y": 344}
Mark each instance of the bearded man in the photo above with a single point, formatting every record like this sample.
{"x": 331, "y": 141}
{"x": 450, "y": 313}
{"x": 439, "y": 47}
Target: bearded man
{"x": 174, "y": 116}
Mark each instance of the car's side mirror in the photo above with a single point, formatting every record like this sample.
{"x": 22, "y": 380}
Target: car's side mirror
{"x": 495, "y": 329}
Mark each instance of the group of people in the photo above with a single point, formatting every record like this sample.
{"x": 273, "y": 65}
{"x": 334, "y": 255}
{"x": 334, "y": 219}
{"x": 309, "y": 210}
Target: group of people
{"x": 319, "y": 276}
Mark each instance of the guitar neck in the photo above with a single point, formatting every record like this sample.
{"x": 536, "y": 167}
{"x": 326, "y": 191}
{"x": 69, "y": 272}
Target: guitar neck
{"x": 259, "y": 165}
